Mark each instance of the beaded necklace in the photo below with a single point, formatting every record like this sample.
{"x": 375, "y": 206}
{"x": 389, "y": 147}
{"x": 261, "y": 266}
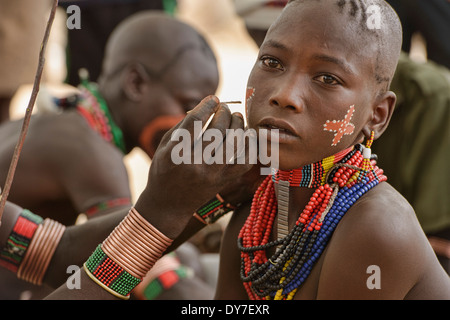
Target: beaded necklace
{"x": 337, "y": 188}
{"x": 94, "y": 109}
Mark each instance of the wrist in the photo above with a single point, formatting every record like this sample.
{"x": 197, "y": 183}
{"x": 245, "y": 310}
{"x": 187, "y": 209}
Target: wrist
{"x": 166, "y": 216}
{"x": 120, "y": 263}
{"x": 31, "y": 246}
{"x": 214, "y": 209}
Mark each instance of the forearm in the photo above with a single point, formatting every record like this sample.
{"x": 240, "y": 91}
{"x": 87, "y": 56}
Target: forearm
{"x": 9, "y": 218}
{"x": 162, "y": 217}
{"x": 74, "y": 247}
{"x": 88, "y": 290}
{"x": 77, "y": 243}
{"x": 76, "y": 253}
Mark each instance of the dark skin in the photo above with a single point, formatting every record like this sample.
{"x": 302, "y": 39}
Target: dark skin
{"x": 159, "y": 204}
{"x": 419, "y": 275}
{"x": 52, "y": 174}
{"x": 78, "y": 241}
{"x": 135, "y": 97}
{"x": 65, "y": 167}
{"x": 299, "y": 84}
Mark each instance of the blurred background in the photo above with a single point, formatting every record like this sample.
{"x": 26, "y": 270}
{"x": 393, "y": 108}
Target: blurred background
{"x": 223, "y": 24}
{"x": 217, "y": 20}
{"x": 233, "y": 28}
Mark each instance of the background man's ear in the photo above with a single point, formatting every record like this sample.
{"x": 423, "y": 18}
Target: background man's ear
{"x": 381, "y": 115}
{"x": 134, "y": 80}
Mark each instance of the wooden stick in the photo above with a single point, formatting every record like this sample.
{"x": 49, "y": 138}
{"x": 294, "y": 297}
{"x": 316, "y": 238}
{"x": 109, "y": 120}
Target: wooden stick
{"x": 29, "y": 110}
{"x": 232, "y": 102}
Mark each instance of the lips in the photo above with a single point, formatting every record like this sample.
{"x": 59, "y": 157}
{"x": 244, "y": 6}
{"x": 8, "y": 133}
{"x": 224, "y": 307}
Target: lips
{"x": 278, "y": 124}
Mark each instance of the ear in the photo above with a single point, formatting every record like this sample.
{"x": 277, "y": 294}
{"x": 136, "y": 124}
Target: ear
{"x": 381, "y": 114}
{"x": 134, "y": 82}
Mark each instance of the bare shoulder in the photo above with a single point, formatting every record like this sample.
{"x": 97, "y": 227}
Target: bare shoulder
{"x": 78, "y": 157}
{"x": 229, "y": 285}
{"x": 67, "y": 138}
{"x": 381, "y": 233}
{"x": 381, "y": 215}
{"x": 388, "y": 208}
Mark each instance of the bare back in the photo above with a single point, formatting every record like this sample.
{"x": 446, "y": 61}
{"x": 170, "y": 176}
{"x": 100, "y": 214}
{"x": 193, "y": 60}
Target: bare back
{"x": 65, "y": 167}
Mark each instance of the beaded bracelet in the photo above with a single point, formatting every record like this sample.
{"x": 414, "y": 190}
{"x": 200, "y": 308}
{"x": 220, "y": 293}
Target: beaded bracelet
{"x": 130, "y": 251}
{"x": 40, "y": 251}
{"x": 17, "y": 244}
{"x": 213, "y": 210}
{"x": 109, "y": 275}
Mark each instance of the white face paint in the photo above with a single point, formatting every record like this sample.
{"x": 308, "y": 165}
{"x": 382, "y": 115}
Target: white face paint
{"x": 341, "y": 127}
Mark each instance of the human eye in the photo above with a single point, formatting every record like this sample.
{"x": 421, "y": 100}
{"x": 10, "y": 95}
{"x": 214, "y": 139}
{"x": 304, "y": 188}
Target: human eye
{"x": 328, "y": 79}
{"x": 271, "y": 63}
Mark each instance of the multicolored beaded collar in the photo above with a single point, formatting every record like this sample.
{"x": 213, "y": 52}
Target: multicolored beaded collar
{"x": 341, "y": 182}
{"x": 312, "y": 175}
{"x": 94, "y": 109}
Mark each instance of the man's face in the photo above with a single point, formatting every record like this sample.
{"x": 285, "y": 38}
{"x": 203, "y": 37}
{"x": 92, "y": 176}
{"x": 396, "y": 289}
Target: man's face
{"x": 185, "y": 83}
{"x": 312, "y": 76}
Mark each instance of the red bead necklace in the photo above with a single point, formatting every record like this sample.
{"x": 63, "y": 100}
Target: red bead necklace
{"x": 267, "y": 277}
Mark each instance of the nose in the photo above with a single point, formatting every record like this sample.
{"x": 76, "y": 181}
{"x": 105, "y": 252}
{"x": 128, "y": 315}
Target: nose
{"x": 288, "y": 94}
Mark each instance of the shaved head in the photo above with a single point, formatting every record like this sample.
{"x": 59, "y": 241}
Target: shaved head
{"x": 384, "y": 39}
{"x": 155, "y": 68}
{"x": 154, "y": 39}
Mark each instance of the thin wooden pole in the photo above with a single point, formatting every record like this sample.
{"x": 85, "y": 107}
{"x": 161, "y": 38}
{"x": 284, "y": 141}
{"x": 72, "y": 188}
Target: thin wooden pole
{"x": 29, "y": 110}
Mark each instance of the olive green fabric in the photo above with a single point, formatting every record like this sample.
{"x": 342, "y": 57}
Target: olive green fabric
{"x": 415, "y": 149}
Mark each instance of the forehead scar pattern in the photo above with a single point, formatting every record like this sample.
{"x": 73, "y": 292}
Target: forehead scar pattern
{"x": 341, "y": 127}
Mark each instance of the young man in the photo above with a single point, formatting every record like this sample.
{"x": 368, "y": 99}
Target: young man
{"x": 322, "y": 78}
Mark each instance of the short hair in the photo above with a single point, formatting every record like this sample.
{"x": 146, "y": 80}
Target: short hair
{"x": 153, "y": 38}
{"x": 388, "y": 38}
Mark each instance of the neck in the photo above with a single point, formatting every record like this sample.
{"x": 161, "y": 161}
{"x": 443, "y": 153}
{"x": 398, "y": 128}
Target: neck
{"x": 312, "y": 175}
{"x": 96, "y": 104}
{"x": 305, "y": 180}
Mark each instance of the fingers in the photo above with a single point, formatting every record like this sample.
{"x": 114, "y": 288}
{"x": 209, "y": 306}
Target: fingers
{"x": 202, "y": 136}
{"x": 221, "y": 119}
{"x": 235, "y": 139}
{"x": 194, "y": 118}
{"x": 202, "y": 112}
{"x": 237, "y": 121}
{"x": 220, "y": 147}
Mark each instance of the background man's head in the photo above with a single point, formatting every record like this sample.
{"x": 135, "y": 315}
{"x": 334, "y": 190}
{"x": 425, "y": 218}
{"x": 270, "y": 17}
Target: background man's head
{"x": 155, "y": 66}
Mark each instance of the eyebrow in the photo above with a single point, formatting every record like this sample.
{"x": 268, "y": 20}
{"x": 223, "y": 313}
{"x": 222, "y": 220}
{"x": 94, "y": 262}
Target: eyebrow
{"x": 275, "y": 44}
{"x": 341, "y": 63}
{"x": 320, "y": 57}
